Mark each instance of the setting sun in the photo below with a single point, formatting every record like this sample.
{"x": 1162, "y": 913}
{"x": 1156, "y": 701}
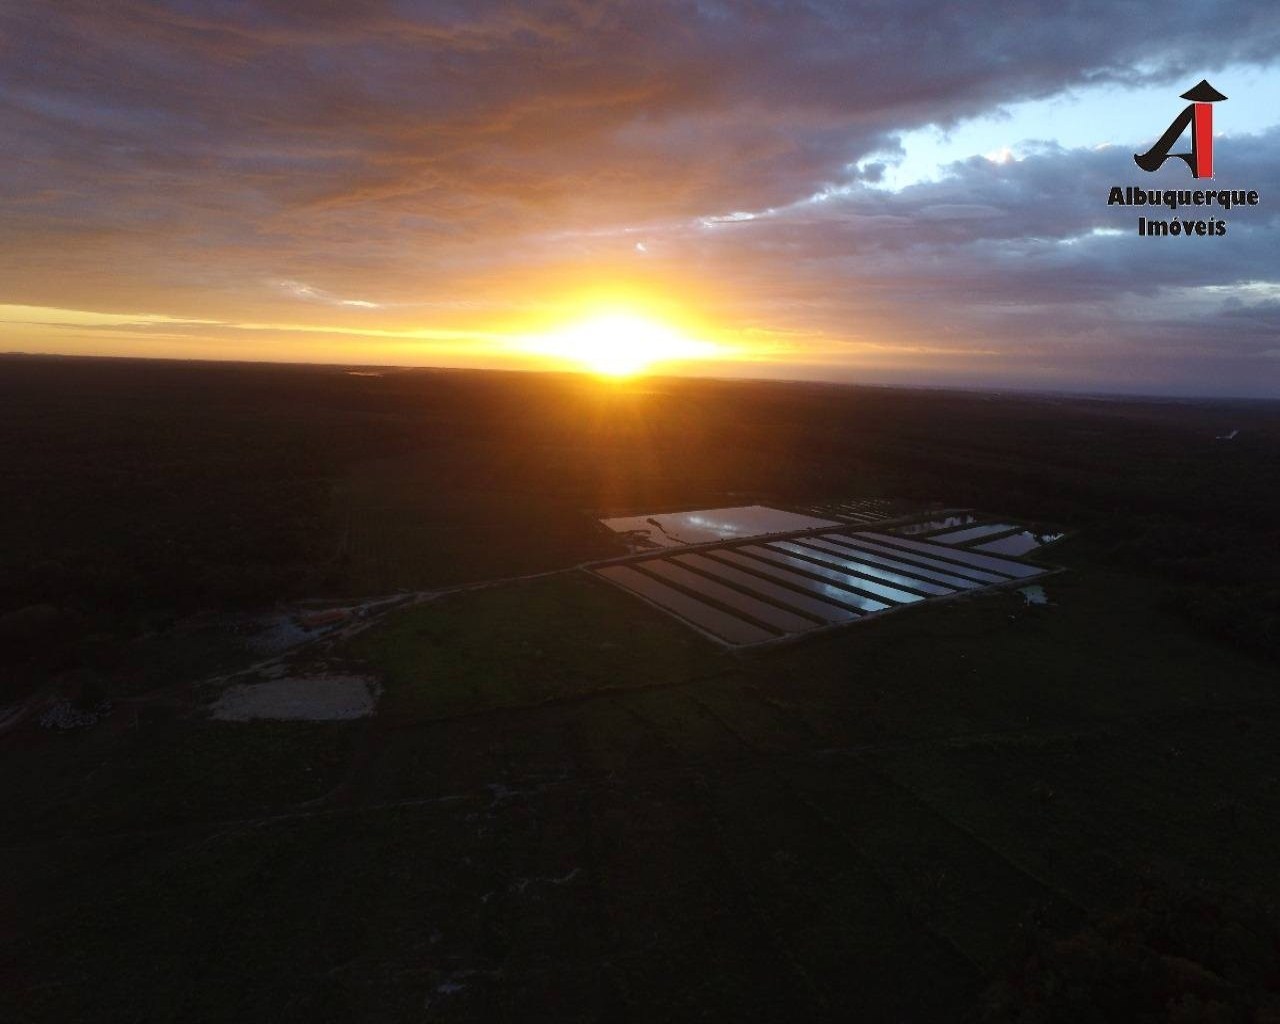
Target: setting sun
{"x": 619, "y": 344}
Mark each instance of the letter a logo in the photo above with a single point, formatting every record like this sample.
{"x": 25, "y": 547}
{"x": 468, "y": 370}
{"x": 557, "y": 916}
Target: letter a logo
{"x": 1198, "y": 114}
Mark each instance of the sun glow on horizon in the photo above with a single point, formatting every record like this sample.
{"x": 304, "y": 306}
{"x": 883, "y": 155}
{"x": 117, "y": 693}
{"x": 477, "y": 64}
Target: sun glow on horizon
{"x": 619, "y": 344}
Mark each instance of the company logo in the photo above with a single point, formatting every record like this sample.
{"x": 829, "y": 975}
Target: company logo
{"x": 1199, "y": 115}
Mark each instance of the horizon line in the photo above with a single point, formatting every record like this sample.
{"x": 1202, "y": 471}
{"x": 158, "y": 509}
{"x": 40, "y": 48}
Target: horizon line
{"x": 974, "y": 389}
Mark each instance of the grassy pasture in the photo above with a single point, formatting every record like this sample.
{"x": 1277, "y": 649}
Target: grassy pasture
{"x": 569, "y": 807}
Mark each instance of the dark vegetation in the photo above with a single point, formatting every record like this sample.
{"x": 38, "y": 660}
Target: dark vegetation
{"x": 568, "y": 807}
{"x": 1162, "y": 959}
{"x": 139, "y": 492}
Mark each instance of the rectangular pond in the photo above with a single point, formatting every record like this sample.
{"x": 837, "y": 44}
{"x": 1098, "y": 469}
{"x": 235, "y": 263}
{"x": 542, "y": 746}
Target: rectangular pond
{"x": 972, "y": 533}
{"x": 675, "y": 529}
{"x": 852, "y": 561}
{"x": 824, "y": 589}
{"x": 781, "y": 587}
{"x": 786, "y": 596}
{"x": 1017, "y": 543}
{"x": 727, "y": 627}
{"x": 731, "y": 598}
{"x": 859, "y": 594}
{"x": 1002, "y": 566}
{"x": 901, "y": 565}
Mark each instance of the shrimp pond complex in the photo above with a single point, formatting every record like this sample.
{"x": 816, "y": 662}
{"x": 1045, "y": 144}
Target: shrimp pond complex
{"x": 364, "y": 694}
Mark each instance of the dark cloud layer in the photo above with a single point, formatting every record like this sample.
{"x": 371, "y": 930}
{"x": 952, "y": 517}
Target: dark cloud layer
{"x": 181, "y": 157}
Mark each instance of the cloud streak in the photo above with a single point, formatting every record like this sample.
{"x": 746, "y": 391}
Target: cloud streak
{"x": 475, "y": 164}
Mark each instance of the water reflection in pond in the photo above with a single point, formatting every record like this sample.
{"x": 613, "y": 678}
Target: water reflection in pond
{"x": 781, "y": 619}
{"x": 972, "y": 533}
{"x": 798, "y": 581}
{"x": 673, "y": 529}
{"x": 786, "y": 596}
{"x": 1018, "y": 543}
{"x": 845, "y": 559}
{"x": 914, "y": 529}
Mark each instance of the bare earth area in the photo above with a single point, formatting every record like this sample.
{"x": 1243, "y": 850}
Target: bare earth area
{"x": 314, "y": 699}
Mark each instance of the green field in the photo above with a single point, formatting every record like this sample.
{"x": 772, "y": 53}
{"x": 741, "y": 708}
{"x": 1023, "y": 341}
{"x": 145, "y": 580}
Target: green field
{"x": 569, "y": 807}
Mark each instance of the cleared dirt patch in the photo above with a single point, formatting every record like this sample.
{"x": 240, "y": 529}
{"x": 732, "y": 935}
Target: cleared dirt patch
{"x": 312, "y": 699}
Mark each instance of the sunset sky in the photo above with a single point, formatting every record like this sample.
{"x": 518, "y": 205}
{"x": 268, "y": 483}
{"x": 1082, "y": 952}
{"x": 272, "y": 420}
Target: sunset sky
{"x": 907, "y": 193}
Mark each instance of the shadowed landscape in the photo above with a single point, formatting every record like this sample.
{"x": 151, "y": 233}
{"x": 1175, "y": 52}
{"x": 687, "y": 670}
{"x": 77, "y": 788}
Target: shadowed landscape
{"x": 612, "y": 512}
{"x": 567, "y": 805}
